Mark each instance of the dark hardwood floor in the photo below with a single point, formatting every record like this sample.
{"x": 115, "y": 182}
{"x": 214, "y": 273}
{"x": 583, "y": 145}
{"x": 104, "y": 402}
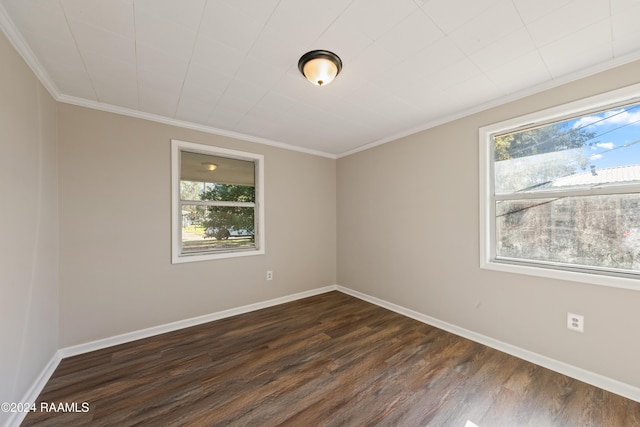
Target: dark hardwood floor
{"x": 328, "y": 360}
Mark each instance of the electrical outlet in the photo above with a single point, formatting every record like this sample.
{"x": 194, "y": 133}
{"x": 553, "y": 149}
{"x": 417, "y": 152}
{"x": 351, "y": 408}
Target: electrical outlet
{"x": 575, "y": 322}
{"x": 269, "y": 275}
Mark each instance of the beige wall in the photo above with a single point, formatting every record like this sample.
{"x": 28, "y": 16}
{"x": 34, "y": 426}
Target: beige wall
{"x": 28, "y": 227}
{"x": 115, "y": 250}
{"x": 408, "y": 233}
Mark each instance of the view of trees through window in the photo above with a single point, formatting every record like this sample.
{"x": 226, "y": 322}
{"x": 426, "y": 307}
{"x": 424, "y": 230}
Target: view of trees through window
{"x": 569, "y": 192}
{"x": 217, "y": 214}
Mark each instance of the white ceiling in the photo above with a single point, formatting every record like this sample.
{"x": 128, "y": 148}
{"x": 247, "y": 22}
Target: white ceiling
{"x": 230, "y": 66}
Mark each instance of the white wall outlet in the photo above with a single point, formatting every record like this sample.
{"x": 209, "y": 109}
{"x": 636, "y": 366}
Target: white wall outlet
{"x": 575, "y": 322}
{"x": 269, "y": 275}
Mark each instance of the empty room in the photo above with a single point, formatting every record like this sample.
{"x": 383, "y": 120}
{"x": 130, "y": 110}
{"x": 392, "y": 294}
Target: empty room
{"x": 350, "y": 213}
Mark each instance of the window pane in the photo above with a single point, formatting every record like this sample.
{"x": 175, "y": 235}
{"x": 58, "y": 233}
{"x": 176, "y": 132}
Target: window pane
{"x": 220, "y": 179}
{"x": 543, "y": 157}
{"x": 206, "y": 168}
{"x": 229, "y": 193}
{"x": 217, "y": 228}
{"x": 536, "y": 172}
{"x": 598, "y": 231}
{"x": 217, "y": 203}
{"x": 191, "y": 190}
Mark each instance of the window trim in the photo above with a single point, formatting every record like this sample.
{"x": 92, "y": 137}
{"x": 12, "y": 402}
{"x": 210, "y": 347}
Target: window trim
{"x": 626, "y": 95}
{"x": 176, "y": 218}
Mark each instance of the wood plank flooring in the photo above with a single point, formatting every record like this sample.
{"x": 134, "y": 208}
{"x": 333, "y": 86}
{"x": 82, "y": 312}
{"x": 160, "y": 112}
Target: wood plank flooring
{"x": 328, "y": 360}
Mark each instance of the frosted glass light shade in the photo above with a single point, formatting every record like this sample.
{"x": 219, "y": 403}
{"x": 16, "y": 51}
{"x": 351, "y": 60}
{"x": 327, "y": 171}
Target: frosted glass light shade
{"x": 320, "y": 67}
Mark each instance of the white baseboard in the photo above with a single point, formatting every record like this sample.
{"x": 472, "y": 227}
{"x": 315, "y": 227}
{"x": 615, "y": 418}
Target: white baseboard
{"x": 592, "y": 378}
{"x": 600, "y": 381}
{"x": 16, "y": 418}
{"x": 181, "y": 324}
{"x": 35, "y": 390}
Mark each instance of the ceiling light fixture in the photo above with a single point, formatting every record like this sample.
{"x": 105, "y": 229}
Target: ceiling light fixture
{"x": 320, "y": 67}
{"x": 210, "y": 166}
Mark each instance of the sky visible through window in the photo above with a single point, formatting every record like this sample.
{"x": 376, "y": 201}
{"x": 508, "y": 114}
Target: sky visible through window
{"x": 617, "y": 139}
{"x": 565, "y": 193}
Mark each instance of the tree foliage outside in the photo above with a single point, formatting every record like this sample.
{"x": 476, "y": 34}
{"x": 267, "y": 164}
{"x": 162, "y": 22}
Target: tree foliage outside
{"x": 222, "y": 221}
{"x": 534, "y": 157}
{"x": 544, "y": 139}
{"x": 600, "y": 231}
{"x": 191, "y": 190}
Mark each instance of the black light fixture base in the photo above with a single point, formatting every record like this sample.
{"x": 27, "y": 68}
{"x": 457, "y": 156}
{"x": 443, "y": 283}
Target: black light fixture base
{"x": 323, "y": 54}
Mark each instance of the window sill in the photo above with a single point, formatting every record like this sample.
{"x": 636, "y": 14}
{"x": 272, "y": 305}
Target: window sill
{"x": 601, "y": 279}
{"x": 179, "y": 259}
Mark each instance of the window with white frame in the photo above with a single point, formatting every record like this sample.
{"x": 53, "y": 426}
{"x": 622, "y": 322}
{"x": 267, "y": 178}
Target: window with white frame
{"x": 217, "y": 202}
{"x": 560, "y": 192}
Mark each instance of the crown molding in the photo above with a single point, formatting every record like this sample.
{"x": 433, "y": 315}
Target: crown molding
{"x": 81, "y": 102}
{"x": 20, "y": 45}
{"x": 15, "y": 38}
{"x": 533, "y": 90}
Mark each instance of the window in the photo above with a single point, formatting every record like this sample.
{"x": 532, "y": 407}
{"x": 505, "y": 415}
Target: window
{"x": 217, "y": 202}
{"x": 560, "y": 192}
